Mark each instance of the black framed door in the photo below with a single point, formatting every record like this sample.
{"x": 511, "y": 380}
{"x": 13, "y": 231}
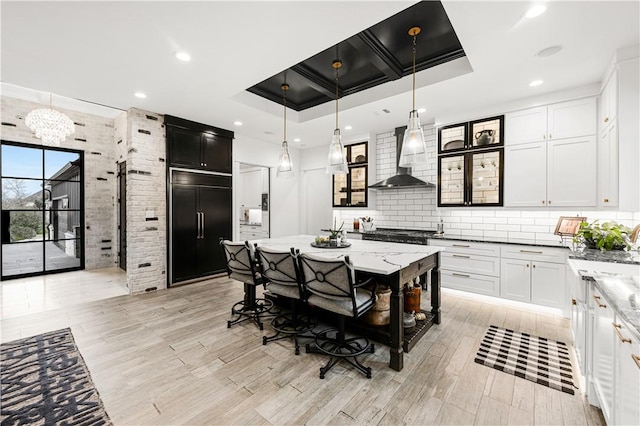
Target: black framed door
{"x": 42, "y": 217}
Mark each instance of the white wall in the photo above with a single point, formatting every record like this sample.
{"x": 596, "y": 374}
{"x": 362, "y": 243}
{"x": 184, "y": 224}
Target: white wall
{"x": 285, "y": 203}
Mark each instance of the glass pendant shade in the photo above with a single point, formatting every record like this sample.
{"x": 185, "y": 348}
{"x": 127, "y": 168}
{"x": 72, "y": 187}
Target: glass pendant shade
{"x": 285, "y": 166}
{"x": 337, "y": 160}
{"x": 49, "y": 125}
{"x": 414, "y": 147}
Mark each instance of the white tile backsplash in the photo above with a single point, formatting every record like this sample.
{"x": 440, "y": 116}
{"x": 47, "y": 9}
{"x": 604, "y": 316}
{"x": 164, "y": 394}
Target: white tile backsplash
{"x": 416, "y": 208}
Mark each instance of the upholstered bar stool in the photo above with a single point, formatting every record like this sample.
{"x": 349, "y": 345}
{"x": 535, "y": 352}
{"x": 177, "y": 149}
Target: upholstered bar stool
{"x": 279, "y": 270}
{"x": 330, "y": 284}
{"x": 242, "y": 267}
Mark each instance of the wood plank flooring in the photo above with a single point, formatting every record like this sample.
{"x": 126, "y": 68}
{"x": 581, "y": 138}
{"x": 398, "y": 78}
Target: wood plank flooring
{"x": 167, "y": 358}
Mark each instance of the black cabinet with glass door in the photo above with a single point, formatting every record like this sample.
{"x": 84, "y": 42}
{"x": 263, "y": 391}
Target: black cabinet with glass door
{"x": 350, "y": 190}
{"x": 471, "y": 178}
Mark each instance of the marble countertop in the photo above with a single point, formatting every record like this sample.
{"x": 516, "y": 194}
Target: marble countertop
{"x": 367, "y": 256}
{"x": 623, "y": 294}
{"x": 500, "y": 240}
{"x": 613, "y": 256}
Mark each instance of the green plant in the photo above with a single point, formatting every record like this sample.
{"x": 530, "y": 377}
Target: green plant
{"x": 605, "y": 236}
{"x": 335, "y": 232}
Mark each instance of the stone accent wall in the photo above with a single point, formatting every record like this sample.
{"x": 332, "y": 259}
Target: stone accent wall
{"x": 146, "y": 201}
{"x": 94, "y": 136}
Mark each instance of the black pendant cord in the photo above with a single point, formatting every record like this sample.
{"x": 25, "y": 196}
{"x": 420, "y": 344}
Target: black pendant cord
{"x": 337, "y": 68}
{"x": 414, "y": 73}
{"x": 284, "y": 88}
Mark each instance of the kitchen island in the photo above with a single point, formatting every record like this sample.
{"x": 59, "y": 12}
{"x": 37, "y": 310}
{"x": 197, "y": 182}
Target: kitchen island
{"x": 391, "y": 264}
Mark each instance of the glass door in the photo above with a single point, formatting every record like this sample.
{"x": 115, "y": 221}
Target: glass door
{"x": 42, "y": 210}
{"x": 451, "y": 180}
{"x": 486, "y": 178}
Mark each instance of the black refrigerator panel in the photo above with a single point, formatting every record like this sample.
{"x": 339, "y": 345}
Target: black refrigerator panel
{"x": 184, "y": 223}
{"x": 215, "y": 210}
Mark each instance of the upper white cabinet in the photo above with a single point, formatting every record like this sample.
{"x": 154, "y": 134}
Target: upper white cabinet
{"x": 557, "y": 121}
{"x": 550, "y": 156}
{"x": 553, "y": 173}
{"x": 608, "y": 165}
{"x": 609, "y": 101}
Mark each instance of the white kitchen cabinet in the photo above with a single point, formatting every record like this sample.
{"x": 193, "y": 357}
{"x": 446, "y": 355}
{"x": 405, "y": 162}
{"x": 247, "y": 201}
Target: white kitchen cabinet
{"x": 603, "y": 354}
{"x": 467, "y": 266}
{"x": 626, "y": 409}
{"x": 556, "y": 121}
{"x": 554, "y": 173}
{"x": 571, "y": 172}
{"x": 609, "y": 101}
{"x": 608, "y": 166}
{"x": 534, "y": 275}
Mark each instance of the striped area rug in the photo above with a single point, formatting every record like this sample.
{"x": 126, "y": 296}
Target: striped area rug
{"x": 537, "y": 359}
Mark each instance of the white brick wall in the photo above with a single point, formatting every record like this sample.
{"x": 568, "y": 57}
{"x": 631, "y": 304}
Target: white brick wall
{"x": 416, "y": 208}
{"x": 94, "y": 136}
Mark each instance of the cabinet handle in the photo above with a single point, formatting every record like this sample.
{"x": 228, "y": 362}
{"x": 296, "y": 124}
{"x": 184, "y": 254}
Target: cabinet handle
{"x": 542, "y": 201}
{"x": 531, "y": 251}
{"x": 459, "y": 245}
{"x": 527, "y": 265}
{"x": 459, "y": 255}
{"x": 198, "y": 219}
{"x": 202, "y": 226}
{"x": 544, "y": 136}
{"x": 600, "y": 305}
{"x": 606, "y": 200}
{"x": 616, "y": 328}
{"x": 636, "y": 358}
{"x": 534, "y": 265}
{"x": 549, "y": 202}
{"x": 550, "y": 136}
{"x": 606, "y": 119}
{"x": 460, "y": 275}
{"x": 574, "y": 302}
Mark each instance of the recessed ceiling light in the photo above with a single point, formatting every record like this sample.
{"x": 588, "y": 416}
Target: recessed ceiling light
{"x": 348, "y": 127}
{"x": 183, "y": 56}
{"x": 551, "y": 50}
{"x": 535, "y": 83}
{"x": 296, "y": 140}
{"x": 237, "y": 123}
{"x": 535, "y": 10}
{"x": 140, "y": 95}
{"x": 421, "y": 110}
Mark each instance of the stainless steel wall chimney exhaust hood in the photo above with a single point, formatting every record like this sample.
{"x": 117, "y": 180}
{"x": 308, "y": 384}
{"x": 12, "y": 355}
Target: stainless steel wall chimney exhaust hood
{"x": 402, "y": 178}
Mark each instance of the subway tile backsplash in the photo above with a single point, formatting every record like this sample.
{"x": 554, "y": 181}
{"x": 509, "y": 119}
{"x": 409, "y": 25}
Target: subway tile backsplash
{"x": 415, "y": 208}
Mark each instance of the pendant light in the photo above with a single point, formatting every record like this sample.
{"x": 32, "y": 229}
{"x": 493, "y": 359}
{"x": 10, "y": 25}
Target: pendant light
{"x": 285, "y": 166}
{"x": 49, "y": 125}
{"x": 337, "y": 159}
{"x": 414, "y": 147}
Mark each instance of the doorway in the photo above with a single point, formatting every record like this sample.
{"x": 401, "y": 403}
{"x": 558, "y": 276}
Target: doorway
{"x": 42, "y": 210}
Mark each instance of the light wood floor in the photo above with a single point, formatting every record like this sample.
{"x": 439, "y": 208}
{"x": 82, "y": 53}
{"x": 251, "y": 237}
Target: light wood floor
{"x": 167, "y": 358}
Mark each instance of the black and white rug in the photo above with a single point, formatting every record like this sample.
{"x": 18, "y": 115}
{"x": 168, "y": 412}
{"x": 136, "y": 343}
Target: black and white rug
{"x": 46, "y": 382}
{"x": 540, "y": 360}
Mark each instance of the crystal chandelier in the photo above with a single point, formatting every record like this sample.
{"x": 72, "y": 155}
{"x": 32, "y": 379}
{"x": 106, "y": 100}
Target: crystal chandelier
{"x": 285, "y": 166}
{"x": 414, "y": 147}
{"x": 49, "y": 125}
{"x": 337, "y": 159}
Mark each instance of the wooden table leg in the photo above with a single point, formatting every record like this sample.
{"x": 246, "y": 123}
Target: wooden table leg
{"x": 396, "y": 353}
{"x": 435, "y": 290}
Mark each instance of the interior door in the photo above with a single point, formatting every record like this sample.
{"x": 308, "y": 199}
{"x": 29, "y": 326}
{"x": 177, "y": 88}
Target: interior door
{"x": 184, "y": 221}
{"x": 215, "y": 210}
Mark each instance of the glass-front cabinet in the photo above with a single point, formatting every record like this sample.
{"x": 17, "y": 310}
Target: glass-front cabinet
{"x": 471, "y": 179}
{"x": 350, "y": 190}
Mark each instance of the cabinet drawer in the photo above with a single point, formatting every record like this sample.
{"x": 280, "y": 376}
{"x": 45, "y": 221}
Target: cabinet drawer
{"x": 470, "y": 263}
{"x": 543, "y": 254}
{"x": 416, "y": 269}
{"x": 463, "y": 247}
{"x": 474, "y": 283}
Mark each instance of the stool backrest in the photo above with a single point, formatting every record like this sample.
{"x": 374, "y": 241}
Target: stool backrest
{"x": 239, "y": 261}
{"x": 328, "y": 278}
{"x": 279, "y": 267}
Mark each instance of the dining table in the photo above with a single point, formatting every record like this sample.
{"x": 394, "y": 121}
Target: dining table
{"x": 391, "y": 264}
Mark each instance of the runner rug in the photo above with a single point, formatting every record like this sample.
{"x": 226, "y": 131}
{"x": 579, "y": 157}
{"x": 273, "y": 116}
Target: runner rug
{"x": 46, "y": 382}
{"x": 540, "y": 360}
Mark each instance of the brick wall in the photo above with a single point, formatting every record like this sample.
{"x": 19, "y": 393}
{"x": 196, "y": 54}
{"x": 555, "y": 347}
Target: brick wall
{"x": 94, "y": 136}
{"x": 416, "y": 208}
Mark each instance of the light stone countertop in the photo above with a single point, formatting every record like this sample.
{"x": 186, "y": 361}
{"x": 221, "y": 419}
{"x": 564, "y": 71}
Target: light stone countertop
{"x": 622, "y": 292}
{"x": 368, "y": 256}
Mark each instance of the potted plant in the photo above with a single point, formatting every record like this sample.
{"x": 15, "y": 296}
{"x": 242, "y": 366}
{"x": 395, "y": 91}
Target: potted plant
{"x": 603, "y": 236}
{"x": 335, "y": 233}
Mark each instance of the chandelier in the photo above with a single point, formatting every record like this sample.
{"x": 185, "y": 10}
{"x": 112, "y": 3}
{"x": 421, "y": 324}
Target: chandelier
{"x": 49, "y": 125}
